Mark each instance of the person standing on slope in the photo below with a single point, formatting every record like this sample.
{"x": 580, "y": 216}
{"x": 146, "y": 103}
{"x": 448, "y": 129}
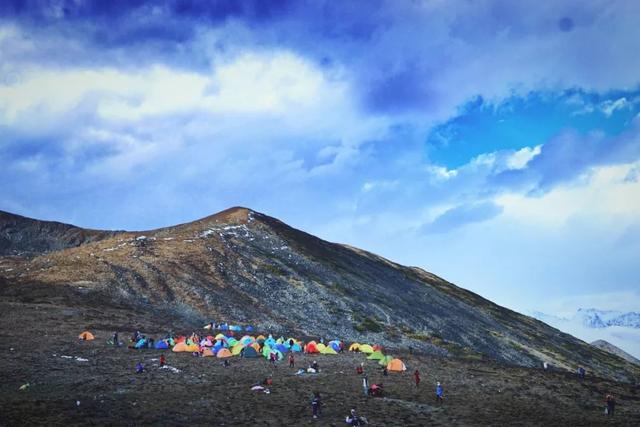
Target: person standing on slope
{"x": 365, "y": 385}
{"x": 292, "y": 360}
{"x": 416, "y": 376}
{"x": 439, "y": 393}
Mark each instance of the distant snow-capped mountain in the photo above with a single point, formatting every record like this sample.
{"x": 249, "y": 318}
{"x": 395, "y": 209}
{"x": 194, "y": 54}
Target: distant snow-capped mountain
{"x": 590, "y": 324}
{"x": 593, "y": 318}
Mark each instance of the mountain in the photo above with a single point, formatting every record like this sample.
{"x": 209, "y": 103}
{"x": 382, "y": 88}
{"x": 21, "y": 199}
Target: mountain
{"x": 242, "y": 266}
{"x": 25, "y": 236}
{"x": 593, "y": 318}
{"x": 607, "y": 346}
{"x": 619, "y": 328}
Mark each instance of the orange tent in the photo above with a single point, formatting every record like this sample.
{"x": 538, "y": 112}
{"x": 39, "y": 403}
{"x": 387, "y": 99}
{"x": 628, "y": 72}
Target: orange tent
{"x": 255, "y": 346}
{"x": 207, "y": 352}
{"x": 86, "y": 336}
{"x": 192, "y": 348}
{"x": 354, "y": 347}
{"x": 181, "y": 346}
{"x": 396, "y": 365}
{"x": 224, "y": 353}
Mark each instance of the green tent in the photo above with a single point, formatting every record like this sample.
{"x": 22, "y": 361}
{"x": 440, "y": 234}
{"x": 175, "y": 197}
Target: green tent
{"x": 385, "y": 360}
{"x": 376, "y": 355}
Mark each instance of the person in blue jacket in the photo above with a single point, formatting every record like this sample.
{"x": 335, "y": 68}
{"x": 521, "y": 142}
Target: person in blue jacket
{"x": 439, "y": 393}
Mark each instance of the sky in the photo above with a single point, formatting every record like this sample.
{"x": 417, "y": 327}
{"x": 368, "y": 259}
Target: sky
{"x": 494, "y": 143}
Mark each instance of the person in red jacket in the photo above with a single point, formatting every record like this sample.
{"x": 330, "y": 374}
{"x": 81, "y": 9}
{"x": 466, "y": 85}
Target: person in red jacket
{"x": 292, "y": 360}
{"x": 163, "y": 361}
{"x": 416, "y": 376}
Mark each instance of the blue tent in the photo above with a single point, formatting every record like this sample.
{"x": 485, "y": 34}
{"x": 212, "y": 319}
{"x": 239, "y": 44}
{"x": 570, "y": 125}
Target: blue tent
{"x": 296, "y": 348}
{"x": 235, "y": 328}
{"x": 161, "y": 345}
{"x": 335, "y": 345}
{"x": 223, "y": 327}
{"x": 249, "y": 328}
{"x": 249, "y": 352}
{"x": 142, "y": 343}
{"x": 281, "y": 348}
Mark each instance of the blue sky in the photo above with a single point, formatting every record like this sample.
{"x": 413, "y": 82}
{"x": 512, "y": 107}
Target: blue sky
{"x": 495, "y": 143}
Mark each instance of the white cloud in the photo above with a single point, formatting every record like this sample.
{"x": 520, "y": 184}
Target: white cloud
{"x": 604, "y": 195}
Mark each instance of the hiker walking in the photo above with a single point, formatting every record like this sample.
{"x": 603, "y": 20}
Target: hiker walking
{"x": 439, "y": 393}
{"x": 416, "y": 376}
{"x": 316, "y": 403}
{"x": 611, "y": 405}
{"x": 292, "y": 361}
{"x": 115, "y": 339}
{"x": 163, "y": 361}
{"x": 365, "y": 385}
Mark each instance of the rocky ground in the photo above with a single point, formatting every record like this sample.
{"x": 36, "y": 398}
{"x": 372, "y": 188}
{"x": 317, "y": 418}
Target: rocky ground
{"x": 35, "y": 337}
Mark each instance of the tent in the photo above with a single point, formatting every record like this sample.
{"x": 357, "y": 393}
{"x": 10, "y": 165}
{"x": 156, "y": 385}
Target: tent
{"x": 281, "y": 348}
{"x": 335, "y": 345}
{"x": 296, "y": 348}
{"x": 266, "y": 350}
{"x": 231, "y": 342}
{"x": 396, "y": 365}
{"x": 354, "y": 347}
{"x": 248, "y": 328}
{"x": 328, "y": 350}
{"x": 246, "y": 340}
{"x": 192, "y": 348}
{"x": 207, "y": 353}
{"x": 320, "y": 347}
{"x": 181, "y": 346}
{"x": 142, "y": 343}
{"x": 255, "y": 346}
{"x": 162, "y": 345}
{"x": 376, "y": 355}
{"x": 221, "y": 337}
{"x": 224, "y": 353}
{"x": 385, "y": 360}
{"x": 260, "y": 337}
{"x": 365, "y": 348}
{"x": 311, "y": 347}
{"x": 207, "y": 326}
{"x": 236, "y": 349}
{"x": 86, "y": 336}
{"x": 249, "y": 352}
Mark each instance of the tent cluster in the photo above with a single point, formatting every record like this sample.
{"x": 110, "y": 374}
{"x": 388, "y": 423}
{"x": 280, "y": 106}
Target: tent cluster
{"x": 248, "y": 346}
{"x": 375, "y": 352}
{"x": 226, "y": 345}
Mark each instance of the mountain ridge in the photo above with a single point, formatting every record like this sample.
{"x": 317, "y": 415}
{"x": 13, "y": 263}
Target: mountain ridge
{"x": 243, "y": 266}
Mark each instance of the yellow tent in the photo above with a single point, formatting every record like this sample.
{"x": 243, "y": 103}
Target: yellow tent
{"x": 86, "y": 336}
{"x": 192, "y": 348}
{"x": 396, "y": 365}
{"x": 328, "y": 350}
{"x": 224, "y": 352}
{"x": 236, "y": 349}
{"x": 255, "y": 346}
{"x": 320, "y": 347}
{"x": 365, "y": 348}
{"x": 221, "y": 337}
{"x": 354, "y": 347}
{"x": 260, "y": 337}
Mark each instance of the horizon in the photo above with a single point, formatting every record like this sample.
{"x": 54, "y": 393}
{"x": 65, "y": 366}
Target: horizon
{"x": 494, "y": 144}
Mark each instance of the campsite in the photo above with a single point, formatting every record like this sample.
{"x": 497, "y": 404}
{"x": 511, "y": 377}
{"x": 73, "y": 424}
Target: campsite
{"x": 73, "y": 381}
